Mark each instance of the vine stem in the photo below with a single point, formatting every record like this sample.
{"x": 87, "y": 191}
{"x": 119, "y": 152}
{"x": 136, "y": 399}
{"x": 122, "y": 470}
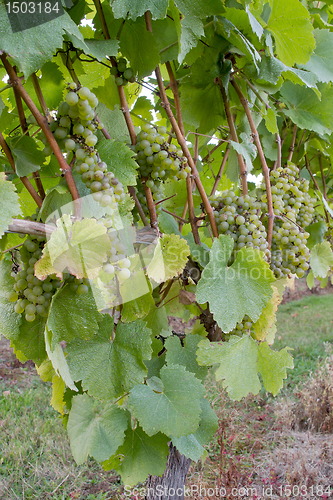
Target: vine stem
{"x": 265, "y": 168}
{"x": 292, "y": 145}
{"x": 322, "y": 177}
{"x": 220, "y": 172}
{"x": 241, "y": 163}
{"x": 23, "y": 226}
{"x": 175, "y": 216}
{"x": 182, "y": 142}
{"x": 43, "y": 123}
{"x": 277, "y": 163}
{"x": 132, "y": 192}
{"x": 207, "y": 157}
{"x": 25, "y": 130}
{"x": 129, "y": 123}
{"x": 25, "y": 181}
{"x": 40, "y": 97}
{"x": 189, "y": 187}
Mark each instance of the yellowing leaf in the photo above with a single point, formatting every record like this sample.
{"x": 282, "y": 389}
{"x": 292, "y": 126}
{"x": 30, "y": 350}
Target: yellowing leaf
{"x": 267, "y": 317}
{"x": 169, "y": 259}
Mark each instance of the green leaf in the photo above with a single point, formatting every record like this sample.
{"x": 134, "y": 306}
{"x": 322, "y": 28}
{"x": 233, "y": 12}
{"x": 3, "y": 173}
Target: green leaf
{"x": 119, "y": 159}
{"x": 139, "y": 456}
{"x": 170, "y": 257}
{"x": 192, "y": 445}
{"x": 58, "y": 360}
{"x": 114, "y": 122}
{"x": 321, "y": 61}
{"x": 306, "y": 110}
{"x": 270, "y": 121}
{"x": 321, "y": 259}
{"x": 31, "y": 48}
{"x": 272, "y": 366}
{"x": 56, "y": 199}
{"x": 232, "y": 292}
{"x": 157, "y": 320}
{"x": 139, "y": 46}
{"x": 176, "y": 411}
{"x": 10, "y": 206}
{"x": 95, "y": 430}
{"x": 292, "y": 31}
{"x": 102, "y": 48}
{"x": 237, "y": 361}
{"x": 310, "y": 280}
{"x": 317, "y": 232}
{"x": 137, "y": 8}
{"x": 247, "y": 150}
{"x": 9, "y": 320}
{"x": 28, "y": 158}
{"x": 30, "y": 341}
{"x": 185, "y": 356}
{"x": 72, "y": 316}
{"x": 81, "y": 248}
{"x": 137, "y": 308}
{"x": 167, "y": 224}
{"x": 51, "y": 84}
{"x": 110, "y": 365}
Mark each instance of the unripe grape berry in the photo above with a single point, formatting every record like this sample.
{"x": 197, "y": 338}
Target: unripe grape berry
{"x": 84, "y": 93}
{"x": 72, "y": 98}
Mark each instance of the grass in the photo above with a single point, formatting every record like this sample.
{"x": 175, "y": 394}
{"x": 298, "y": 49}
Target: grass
{"x": 305, "y": 325}
{"x": 35, "y": 458}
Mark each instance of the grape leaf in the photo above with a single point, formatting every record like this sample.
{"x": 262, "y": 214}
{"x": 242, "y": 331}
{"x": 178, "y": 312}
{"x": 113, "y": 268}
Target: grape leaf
{"x": 185, "y": 356}
{"x": 192, "y": 445}
{"x": 306, "y": 110}
{"x": 157, "y": 320}
{"x": 30, "y": 341}
{"x": 139, "y": 456}
{"x": 42, "y": 41}
{"x": 58, "y": 390}
{"x": 174, "y": 412}
{"x": 317, "y": 232}
{"x": 95, "y": 430}
{"x": 10, "y": 206}
{"x": 237, "y": 361}
{"x": 72, "y": 316}
{"x": 137, "y": 8}
{"x": 56, "y": 199}
{"x": 58, "y": 360}
{"x": 243, "y": 288}
{"x": 81, "y": 248}
{"x": 9, "y": 320}
{"x": 137, "y": 308}
{"x": 110, "y": 367}
{"x": 272, "y": 366}
{"x": 170, "y": 257}
{"x": 247, "y": 150}
{"x": 292, "y": 31}
{"x": 114, "y": 122}
{"x": 102, "y": 48}
{"x": 119, "y": 159}
{"x": 139, "y": 46}
{"x": 268, "y": 316}
{"x": 28, "y": 158}
{"x": 321, "y": 59}
{"x": 321, "y": 259}
{"x": 51, "y": 83}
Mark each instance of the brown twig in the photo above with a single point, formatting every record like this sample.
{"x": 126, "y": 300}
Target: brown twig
{"x": 25, "y": 130}
{"x": 265, "y": 168}
{"x": 189, "y": 200}
{"x": 206, "y": 158}
{"x": 277, "y": 164}
{"x": 232, "y": 128}
{"x": 132, "y": 192}
{"x": 182, "y": 142}
{"x": 292, "y": 145}
{"x": 220, "y": 172}
{"x": 24, "y": 179}
{"x": 323, "y": 180}
{"x": 40, "y": 96}
{"x": 184, "y": 221}
{"x": 30, "y": 227}
{"x": 43, "y": 123}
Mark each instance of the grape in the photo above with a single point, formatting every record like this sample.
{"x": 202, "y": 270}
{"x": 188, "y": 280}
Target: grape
{"x": 124, "y": 274}
{"x": 84, "y": 93}
{"x": 12, "y": 296}
{"x": 69, "y": 144}
{"x": 82, "y": 289}
{"x": 30, "y": 317}
{"x": 72, "y": 98}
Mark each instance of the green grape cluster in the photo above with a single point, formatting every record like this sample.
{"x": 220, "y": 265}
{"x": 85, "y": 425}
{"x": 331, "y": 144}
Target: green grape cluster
{"x": 118, "y": 263}
{"x": 74, "y": 130}
{"x": 294, "y": 211}
{"x": 32, "y": 296}
{"x": 122, "y": 73}
{"x": 237, "y": 217}
{"x": 158, "y": 161}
